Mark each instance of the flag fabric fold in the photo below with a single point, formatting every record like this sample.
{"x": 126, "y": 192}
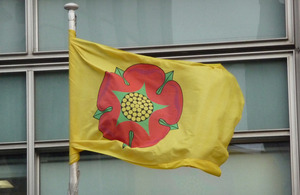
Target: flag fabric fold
{"x": 151, "y": 112}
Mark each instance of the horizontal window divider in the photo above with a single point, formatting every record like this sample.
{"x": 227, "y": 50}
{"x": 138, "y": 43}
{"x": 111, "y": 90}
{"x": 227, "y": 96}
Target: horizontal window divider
{"x": 182, "y": 50}
{"x": 201, "y": 50}
{"x": 256, "y": 55}
{"x": 204, "y": 47}
{"x": 265, "y": 135}
{"x": 211, "y": 47}
{"x": 35, "y": 67}
{"x": 18, "y": 59}
{"x": 13, "y": 54}
{"x": 9, "y": 146}
{"x": 55, "y": 145}
{"x": 53, "y": 52}
{"x": 240, "y": 55}
{"x": 214, "y": 52}
{"x": 162, "y": 51}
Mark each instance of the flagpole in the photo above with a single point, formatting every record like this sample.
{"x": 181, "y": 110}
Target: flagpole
{"x": 74, "y": 170}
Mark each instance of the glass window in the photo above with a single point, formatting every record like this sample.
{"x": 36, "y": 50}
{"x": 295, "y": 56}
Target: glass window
{"x": 12, "y": 107}
{"x": 264, "y": 85}
{"x": 12, "y": 22}
{"x": 132, "y": 23}
{"x": 52, "y": 105}
{"x": 13, "y": 174}
{"x": 53, "y": 166}
{"x": 262, "y": 168}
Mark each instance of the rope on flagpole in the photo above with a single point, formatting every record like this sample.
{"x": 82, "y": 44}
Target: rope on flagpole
{"x": 74, "y": 170}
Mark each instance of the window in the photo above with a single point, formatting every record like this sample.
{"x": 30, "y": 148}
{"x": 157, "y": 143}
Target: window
{"x": 135, "y": 23}
{"x": 265, "y": 88}
{"x": 13, "y": 107}
{"x": 13, "y": 174}
{"x": 51, "y": 105}
{"x": 12, "y": 22}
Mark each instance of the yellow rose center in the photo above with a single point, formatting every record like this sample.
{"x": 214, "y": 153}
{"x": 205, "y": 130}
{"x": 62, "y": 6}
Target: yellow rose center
{"x": 136, "y": 107}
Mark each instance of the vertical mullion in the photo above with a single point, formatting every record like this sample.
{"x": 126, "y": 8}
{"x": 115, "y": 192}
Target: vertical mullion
{"x": 27, "y": 9}
{"x": 294, "y": 151}
{"x": 36, "y": 183}
{"x": 35, "y": 25}
{"x": 297, "y": 73}
{"x": 289, "y": 18}
{"x": 30, "y": 133}
{"x": 30, "y": 25}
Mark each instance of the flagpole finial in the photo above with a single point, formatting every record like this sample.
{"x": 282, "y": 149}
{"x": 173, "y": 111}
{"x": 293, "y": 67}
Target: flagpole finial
{"x": 71, "y": 6}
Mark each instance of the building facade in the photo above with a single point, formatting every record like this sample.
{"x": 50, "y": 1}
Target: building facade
{"x": 256, "y": 40}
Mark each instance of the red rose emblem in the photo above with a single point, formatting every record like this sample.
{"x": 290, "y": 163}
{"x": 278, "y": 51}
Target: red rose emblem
{"x": 138, "y": 106}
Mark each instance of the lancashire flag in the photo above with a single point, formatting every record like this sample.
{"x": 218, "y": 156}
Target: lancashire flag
{"x": 151, "y": 112}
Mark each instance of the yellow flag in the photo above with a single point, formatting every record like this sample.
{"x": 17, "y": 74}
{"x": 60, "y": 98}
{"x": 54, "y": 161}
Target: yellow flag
{"x": 151, "y": 112}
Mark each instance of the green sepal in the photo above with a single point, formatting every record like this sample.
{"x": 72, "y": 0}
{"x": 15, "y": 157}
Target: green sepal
{"x": 168, "y": 77}
{"x": 131, "y": 135}
{"x": 120, "y": 72}
{"x": 172, "y": 127}
{"x": 99, "y": 113}
{"x": 124, "y": 145}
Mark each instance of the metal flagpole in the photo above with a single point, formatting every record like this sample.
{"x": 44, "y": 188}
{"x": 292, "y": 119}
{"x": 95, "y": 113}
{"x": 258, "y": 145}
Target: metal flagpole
{"x": 74, "y": 170}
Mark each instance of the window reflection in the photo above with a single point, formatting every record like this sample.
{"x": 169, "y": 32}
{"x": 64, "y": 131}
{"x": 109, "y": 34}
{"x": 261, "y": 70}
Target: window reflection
{"x": 13, "y": 174}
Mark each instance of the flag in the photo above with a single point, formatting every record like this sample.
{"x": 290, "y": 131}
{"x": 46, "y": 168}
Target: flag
{"x": 151, "y": 112}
